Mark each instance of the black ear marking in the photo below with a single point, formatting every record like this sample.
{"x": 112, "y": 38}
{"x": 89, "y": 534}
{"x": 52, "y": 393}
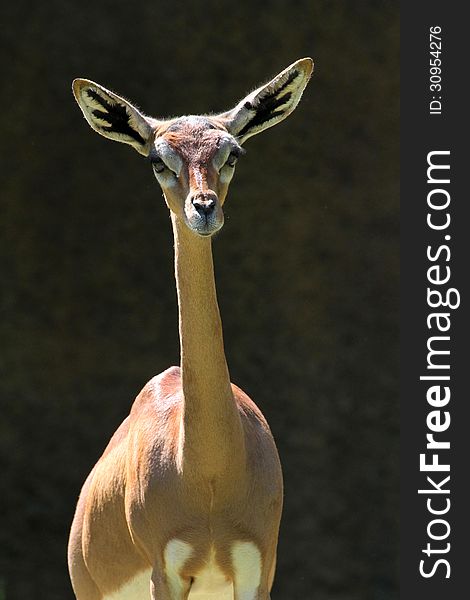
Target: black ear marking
{"x": 116, "y": 115}
{"x": 266, "y": 111}
{"x": 290, "y": 78}
{"x": 93, "y": 94}
{"x": 269, "y": 103}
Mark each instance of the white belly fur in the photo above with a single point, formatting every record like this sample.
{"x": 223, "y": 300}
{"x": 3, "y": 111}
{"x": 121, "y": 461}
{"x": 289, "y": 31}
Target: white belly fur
{"x": 210, "y": 583}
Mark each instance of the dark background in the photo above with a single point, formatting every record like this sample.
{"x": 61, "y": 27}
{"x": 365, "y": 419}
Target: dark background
{"x": 307, "y": 268}
{"x": 421, "y": 133}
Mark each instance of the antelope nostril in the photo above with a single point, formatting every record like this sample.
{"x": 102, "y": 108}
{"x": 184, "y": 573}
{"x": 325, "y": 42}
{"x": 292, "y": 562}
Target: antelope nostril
{"x": 203, "y": 204}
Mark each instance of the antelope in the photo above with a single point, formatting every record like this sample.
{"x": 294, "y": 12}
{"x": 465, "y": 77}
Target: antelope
{"x": 185, "y": 502}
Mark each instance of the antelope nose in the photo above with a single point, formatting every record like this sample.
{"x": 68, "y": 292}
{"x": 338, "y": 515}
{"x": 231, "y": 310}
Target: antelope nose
{"x": 204, "y": 203}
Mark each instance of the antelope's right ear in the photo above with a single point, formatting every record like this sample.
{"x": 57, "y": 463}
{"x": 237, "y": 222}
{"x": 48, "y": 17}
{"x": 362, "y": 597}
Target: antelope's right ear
{"x": 112, "y": 116}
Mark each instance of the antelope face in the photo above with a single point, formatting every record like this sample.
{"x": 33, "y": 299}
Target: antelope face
{"x": 193, "y": 159}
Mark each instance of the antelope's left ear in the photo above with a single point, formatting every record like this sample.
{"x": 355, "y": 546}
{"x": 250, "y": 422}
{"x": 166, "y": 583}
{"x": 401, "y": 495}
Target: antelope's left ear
{"x": 269, "y": 104}
{"x": 112, "y": 116}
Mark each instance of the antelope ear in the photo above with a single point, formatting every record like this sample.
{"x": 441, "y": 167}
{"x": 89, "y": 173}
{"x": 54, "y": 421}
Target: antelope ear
{"x": 269, "y": 104}
{"x": 112, "y": 116}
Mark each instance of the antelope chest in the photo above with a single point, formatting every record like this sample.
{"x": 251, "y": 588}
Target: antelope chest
{"x": 209, "y": 581}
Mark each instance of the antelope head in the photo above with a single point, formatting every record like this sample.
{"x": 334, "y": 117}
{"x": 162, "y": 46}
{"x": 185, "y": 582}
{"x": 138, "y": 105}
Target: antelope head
{"x": 194, "y": 157}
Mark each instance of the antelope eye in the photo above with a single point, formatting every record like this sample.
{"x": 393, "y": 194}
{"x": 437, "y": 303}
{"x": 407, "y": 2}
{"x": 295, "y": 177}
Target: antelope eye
{"x": 232, "y": 159}
{"x": 158, "y": 165}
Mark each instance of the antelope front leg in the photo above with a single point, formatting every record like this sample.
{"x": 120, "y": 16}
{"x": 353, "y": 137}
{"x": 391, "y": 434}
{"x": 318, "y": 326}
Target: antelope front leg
{"x": 251, "y": 572}
{"x": 251, "y": 593}
{"x": 168, "y": 586}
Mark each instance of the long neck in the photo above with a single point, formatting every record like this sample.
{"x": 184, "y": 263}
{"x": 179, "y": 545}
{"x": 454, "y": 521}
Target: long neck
{"x": 211, "y": 421}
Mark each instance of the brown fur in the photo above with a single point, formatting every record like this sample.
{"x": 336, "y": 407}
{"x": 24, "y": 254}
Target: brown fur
{"x": 139, "y": 478}
{"x": 195, "y": 460}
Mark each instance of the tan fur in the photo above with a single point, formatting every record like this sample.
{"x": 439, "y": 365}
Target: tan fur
{"x": 194, "y": 469}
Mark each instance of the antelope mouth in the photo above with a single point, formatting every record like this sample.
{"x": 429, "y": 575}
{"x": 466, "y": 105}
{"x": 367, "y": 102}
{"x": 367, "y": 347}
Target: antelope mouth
{"x": 205, "y": 226}
{"x": 206, "y": 231}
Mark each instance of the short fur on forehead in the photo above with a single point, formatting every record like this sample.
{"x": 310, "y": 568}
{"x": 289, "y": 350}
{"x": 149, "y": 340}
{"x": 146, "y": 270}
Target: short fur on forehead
{"x": 196, "y": 135}
{"x": 194, "y": 121}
